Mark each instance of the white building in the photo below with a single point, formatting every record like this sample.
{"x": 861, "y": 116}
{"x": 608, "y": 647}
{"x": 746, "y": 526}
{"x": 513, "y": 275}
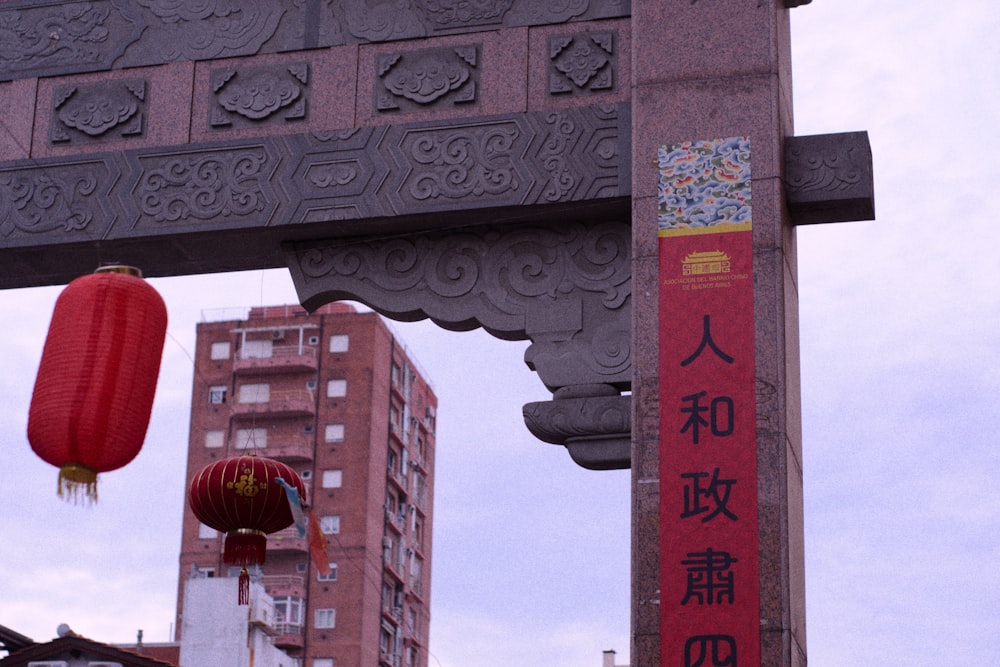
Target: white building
{"x": 221, "y": 633}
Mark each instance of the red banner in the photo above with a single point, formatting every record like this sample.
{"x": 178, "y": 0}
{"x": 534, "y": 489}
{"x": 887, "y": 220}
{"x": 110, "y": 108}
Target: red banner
{"x": 709, "y": 573}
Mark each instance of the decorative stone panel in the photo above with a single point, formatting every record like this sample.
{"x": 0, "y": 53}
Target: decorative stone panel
{"x": 457, "y": 14}
{"x": 55, "y": 38}
{"x": 67, "y": 198}
{"x": 87, "y": 113}
{"x": 209, "y": 187}
{"x": 582, "y": 63}
{"x": 61, "y": 38}
{"x": 339, "y": 182}
{"x": 253, "y": 96}
{"x": 427, "y": 78}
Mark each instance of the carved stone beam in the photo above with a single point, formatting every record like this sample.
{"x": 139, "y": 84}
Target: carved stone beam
{"x": 566, "y": 286}
{"x": 828, "y": 178}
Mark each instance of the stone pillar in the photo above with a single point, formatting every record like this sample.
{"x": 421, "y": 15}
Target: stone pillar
{"x": 702, "y": 70}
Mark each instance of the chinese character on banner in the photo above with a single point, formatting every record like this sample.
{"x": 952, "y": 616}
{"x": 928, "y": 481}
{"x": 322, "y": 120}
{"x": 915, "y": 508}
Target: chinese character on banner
{"x": 709, "y": 577}
{"x": 708, "y": 501}
{"x": 710, "y": 595}
{"x": 710, "y": 651}
{"x": 720, "y": 414}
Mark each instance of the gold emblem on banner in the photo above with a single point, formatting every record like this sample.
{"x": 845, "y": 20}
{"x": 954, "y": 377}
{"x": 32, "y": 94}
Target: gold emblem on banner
{"x": 706, "y": 263}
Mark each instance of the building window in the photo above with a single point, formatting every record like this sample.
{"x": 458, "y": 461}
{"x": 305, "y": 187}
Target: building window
{"x": 326, "y": 618}
{"x": 288, "y": 613}
{"x": 214, "y": 439}
{"x": 333, "y": 479}
{"x": 328, "y": 577}
{"x": 206, "y": 533}
{"x": 308, "y": 428}
{"x": 384, "y": 640}
{"x": 336, "y": 388}
{"x": 314, "y": 340}
{"x": 306, "y": 474}
{"x": 300, "y": 567}
{"x": 329, "y": 524}
{"x": 205, "y": 572}
{"x": 323, "y": 662}
{"x": 257, "y": 349}
{"x": 250, "y": 438}
{"x": 255, "y": 393}
{"x": 220, "y": 350}
{"x": 334, "y": 432}
{"x": 311, "y": 385}
{"x": 338, "y": 343}
{"x": 217, "y": 394}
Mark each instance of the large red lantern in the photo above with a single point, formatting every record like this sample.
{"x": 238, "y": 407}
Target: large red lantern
{"x": 97, "y": 377}
{"x": 240, "y": 497}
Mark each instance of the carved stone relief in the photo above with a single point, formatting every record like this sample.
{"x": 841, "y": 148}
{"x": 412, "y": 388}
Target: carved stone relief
{"x": 564, "y": 286}
{"x": 829, "y": 178}
{"x": 205, "y": 29}
{"x": 428, "y": 167}
{"x": 450, "y": 14}
{"x": 259, "y": 95}
{"x": 98, "y": 111}
{"x": 62, "y": 38}
{"x": 53, "y": 38}
{"x": 217, "y": 186}
{"x": 593, "y": 422}
{"x": 582, "y": 63}
{"x": 427, "y": 78}
{"x": 68, "y": 198}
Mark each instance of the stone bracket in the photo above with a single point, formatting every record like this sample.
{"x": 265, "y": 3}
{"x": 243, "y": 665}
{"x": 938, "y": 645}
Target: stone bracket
{"x": 563, "y": 285}
{"x": 828, "y": 178}
{"x": 592, "y": 422}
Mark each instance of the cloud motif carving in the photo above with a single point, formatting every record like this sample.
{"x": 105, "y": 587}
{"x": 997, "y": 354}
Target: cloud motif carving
{"x": 259, "y": 96}
{"x": 427, "y": 79}
{"x": 96, "y": 116}
{"x": 93, "y": 110}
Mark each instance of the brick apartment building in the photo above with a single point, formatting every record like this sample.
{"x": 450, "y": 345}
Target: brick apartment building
{"x": 335, "y": 396}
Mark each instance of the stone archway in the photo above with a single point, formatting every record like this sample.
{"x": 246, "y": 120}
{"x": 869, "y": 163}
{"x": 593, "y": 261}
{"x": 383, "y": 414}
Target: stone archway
{"x": 514, "y": 192}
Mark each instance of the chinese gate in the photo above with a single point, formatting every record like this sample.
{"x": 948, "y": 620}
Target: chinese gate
{"x": 527, "y": 167}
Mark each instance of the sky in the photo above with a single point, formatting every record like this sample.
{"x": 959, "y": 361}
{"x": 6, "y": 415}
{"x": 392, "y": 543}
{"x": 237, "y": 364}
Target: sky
{"x": 900, "y": 353}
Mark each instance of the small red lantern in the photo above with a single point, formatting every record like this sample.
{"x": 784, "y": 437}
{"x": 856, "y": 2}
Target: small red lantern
{"x": 240, "y": 497}
{"x": 97, "y": 377}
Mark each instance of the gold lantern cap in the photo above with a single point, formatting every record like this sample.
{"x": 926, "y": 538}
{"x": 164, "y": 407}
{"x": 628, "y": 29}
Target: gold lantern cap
{"x": 120, "y": 268}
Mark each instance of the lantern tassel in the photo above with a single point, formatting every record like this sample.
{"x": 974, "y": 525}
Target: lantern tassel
{"x": 244, "y": 594}
{"x": 77, "y": 484}
{"x": 245, "y": 547}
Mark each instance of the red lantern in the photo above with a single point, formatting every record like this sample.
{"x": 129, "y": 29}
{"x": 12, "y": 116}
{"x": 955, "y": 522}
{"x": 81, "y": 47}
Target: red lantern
{"x": 240, "y": 497}
{"x": 96, "y": 380}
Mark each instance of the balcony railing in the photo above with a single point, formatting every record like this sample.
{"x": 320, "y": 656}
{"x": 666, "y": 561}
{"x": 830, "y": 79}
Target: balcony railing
{"x": 283, "y": 359}
{"x": 292, "y": 403}
{"x": 284, "y": 585}
{"x": 287, "y": 540}
{"x": 288, "y": 635}
{"x": 290, "y": 450}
